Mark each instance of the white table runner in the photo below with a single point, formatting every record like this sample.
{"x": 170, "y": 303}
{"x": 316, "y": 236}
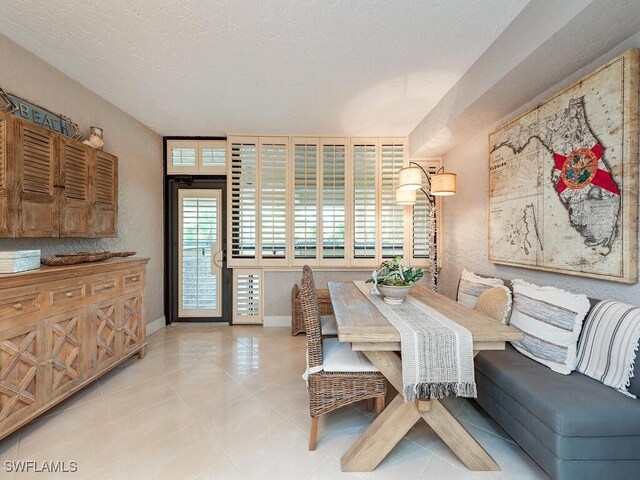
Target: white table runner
{"x": 437, "y": 353}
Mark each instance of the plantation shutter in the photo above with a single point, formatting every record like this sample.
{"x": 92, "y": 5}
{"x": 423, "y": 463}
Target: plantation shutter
{"x": 247, "y": 286}
{"x": 213, "y": 157}
{"x": 273, "y": 198}
{"x": 334, "y": 167}
{"x": 365, "y": 201}
{"x": 198, "y": 227}
{"x": 182, "y": 157}
{"x": 242, "y": 187}
{"x": 305, "y": 200}
{"x": 391, "y": 215}
{"x": 424, "y": 222}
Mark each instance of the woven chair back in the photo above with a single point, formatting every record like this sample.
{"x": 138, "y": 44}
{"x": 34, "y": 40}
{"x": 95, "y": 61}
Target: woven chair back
{"x": 311, "y": 315}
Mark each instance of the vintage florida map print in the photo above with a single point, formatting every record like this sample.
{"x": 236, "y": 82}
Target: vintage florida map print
{"x": 563, "y": 179}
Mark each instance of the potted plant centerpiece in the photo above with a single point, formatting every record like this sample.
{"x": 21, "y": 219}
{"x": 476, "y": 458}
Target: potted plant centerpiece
{"x": 394, "y": 280}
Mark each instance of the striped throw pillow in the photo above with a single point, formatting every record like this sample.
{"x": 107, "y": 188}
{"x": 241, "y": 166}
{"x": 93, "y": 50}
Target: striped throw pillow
{"x": 551, "y": 320}
{"x": 607, "y": 349}
{"x": 472, "y": 285}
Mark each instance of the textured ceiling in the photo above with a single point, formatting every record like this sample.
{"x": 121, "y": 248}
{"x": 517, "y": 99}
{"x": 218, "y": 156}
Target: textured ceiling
{"x": 349, "y": 67}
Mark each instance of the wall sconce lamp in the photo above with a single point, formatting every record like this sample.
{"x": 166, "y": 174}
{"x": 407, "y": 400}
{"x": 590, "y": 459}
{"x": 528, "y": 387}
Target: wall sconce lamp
{"x": 410, "y": 180}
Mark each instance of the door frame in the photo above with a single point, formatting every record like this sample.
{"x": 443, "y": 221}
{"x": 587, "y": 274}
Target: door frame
{"x": 171, "y": 185}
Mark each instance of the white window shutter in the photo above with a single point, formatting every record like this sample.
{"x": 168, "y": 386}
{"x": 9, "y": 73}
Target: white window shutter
{"x": 247, "y": 294}
{"x": 365, "y": 202}
{"x": 334, "y": 158}
{"x": 243, "y": 201}
{"x": 423, "y": 225}
{"x": 392, "y": 155}
{"x": 213, "y": 157}
{"x": 182, "y": 157}
{"x": 306, "y": 187}
{"x": 273, "y": 163}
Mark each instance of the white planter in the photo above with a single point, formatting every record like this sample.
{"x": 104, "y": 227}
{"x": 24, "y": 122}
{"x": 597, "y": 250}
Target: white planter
{"x": 394, "y": 295}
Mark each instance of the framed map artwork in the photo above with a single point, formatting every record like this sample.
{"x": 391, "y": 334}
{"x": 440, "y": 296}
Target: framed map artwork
{"x": 563, "y": 179}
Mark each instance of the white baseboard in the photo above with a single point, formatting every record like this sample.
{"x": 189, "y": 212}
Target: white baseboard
{"x": 156, "y": 325}
{"x": 277, "y": 321}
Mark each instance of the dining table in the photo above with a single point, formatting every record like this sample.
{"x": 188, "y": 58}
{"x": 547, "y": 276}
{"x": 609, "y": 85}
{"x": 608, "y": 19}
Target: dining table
{"x": 361, "y": 324}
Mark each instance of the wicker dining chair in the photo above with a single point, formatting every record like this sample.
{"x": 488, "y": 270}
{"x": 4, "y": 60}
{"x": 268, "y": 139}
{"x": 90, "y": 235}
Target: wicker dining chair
{"x": 346, "y": 376}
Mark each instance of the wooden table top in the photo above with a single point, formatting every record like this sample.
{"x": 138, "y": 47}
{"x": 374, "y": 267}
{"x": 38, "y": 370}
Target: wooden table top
{"x": 359, "y": 321}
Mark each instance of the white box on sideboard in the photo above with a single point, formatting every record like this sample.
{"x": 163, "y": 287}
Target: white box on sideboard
{"x": 19, "y": 261}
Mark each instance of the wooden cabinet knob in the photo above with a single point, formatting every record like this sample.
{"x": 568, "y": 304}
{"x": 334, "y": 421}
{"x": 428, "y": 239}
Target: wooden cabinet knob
{"x": 17, "y": 306}
{"x": 69, "y": 294}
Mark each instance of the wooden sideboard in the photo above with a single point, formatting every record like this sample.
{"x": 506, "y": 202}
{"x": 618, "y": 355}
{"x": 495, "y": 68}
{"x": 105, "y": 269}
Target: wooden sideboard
{"x": 54, "y": 186}
{"x": 63, "y": 327}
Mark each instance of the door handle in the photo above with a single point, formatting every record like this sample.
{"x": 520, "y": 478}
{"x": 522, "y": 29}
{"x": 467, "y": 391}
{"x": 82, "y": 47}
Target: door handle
{"x": 217, "y": 259}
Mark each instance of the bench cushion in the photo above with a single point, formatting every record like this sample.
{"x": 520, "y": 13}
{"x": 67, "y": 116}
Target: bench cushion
{"x": 570, "y": 405}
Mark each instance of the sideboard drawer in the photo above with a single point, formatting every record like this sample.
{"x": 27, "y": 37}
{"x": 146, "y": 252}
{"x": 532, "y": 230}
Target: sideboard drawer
{"x": 132, "y": 279}
{"x": 62, "y": 295}
{"x": 104, "y": 286}
{"x": 17, "y": 303}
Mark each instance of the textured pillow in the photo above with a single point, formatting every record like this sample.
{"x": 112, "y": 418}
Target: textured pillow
{"x": 551, "y": 320}
{"x": 472, "y": 285}
{"x": 495, "y": 303}
{"x": 607, "y": 349}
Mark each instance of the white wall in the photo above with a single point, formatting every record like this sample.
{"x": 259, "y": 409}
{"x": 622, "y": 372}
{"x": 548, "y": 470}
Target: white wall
{"x": 140, "y": 222}
{"x": 466, "y": 214}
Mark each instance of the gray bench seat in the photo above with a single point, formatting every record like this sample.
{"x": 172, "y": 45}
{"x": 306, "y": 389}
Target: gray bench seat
{"x": 572, "y": 425}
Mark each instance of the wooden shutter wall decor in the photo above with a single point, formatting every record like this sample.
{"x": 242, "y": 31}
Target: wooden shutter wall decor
{"x": 106, "y": 203}
{"x": 36, "y": 172}
{"x": 6, "y": 145}
{"x": 54, "y": 186}
{"x": 76, "y": 169}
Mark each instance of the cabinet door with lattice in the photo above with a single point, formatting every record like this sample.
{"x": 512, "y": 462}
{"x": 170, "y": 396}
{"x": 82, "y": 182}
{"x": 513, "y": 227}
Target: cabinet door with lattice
{"x": 105, "y": 213}
{"x": 66, "y": 352}
{"x": 76, "y": 180}
{"x": 133, "y": 327}
{"x": 20, "y": 373}
{"x": 105, "y": 334}
{"x": 36, "y": 172}
{"x": 6, "y": 153}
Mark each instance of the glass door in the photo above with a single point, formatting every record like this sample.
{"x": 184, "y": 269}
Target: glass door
{"x": 200, "y": 253}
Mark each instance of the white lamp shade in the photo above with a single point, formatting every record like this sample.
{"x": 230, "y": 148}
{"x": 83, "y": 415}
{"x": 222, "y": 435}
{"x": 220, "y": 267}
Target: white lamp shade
{"x": 443, "y": 184}
{"x": 405, "y": 197}
{"x": 410, "y": 178}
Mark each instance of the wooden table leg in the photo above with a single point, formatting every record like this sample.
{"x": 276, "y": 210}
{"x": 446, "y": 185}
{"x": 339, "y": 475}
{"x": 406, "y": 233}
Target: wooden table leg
{"x": 458, "y": 439}
{"x": 396, "y": 420}
{"x": 381, "y": 436}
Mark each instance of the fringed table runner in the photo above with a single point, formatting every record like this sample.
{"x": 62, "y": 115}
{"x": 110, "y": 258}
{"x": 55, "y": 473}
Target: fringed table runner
{"x": 437, "y": 353}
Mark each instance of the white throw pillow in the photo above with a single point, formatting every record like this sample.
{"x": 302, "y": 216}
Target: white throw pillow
{"x": 551, "y": 320}
{"x": 472, "y": 285}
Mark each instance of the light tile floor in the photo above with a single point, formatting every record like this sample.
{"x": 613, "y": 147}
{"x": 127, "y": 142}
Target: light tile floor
{"x": 227, "y": 403}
